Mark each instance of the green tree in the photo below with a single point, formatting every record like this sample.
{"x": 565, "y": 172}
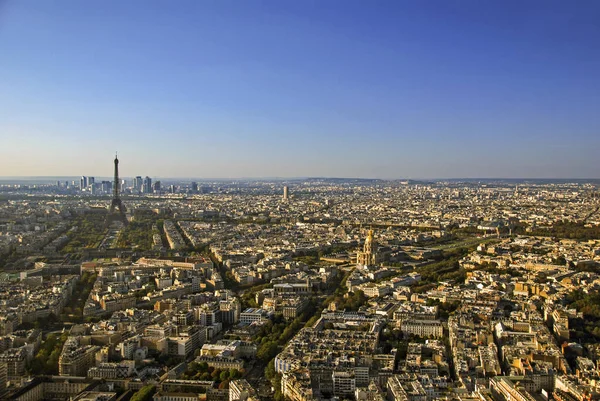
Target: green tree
{"x": 267, "y": 351}
{"x": 270, "y": 370}
{"x": 144, "y": 394}
{"x": 46, "y": 360}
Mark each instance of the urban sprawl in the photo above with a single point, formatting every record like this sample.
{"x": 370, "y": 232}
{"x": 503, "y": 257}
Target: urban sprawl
{"x": 305, "y": 289}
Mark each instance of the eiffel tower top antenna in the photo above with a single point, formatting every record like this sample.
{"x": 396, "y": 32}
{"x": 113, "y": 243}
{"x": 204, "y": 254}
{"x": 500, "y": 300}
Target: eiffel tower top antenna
{"x": 116, "y": 183}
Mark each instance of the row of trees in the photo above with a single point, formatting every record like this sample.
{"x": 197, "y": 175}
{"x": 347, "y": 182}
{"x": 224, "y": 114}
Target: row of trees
{"x": 138, "y": 235}
{"x": 89, "y": 233}
{"x": 588, "y": 328}
{"x": 248, "y": 298}
{"x": 275, "y": 380}
{"x": 568, "y": 230}
{"x": 493, "y": 268}
{"x": 73, "y": 311}
{"x": 8, "y": 258}
{"x": 339, "y": 289}
{"x": 270, "y": 344}
{"x": 140, "y": 231}
{"x": 351, "y": 301}
{"x": 144, "y": 394}
{"x": 45, "y": 361}
{"x": 201, "y": 371}
{"x": 445, "y": 309}
{"x": 276, "y": 334}
{"x": 446, "y": 268}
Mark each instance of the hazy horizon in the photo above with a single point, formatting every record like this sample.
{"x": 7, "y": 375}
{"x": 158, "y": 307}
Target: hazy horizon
{"x": 51, "y": 179}
{"x": 232, "y": 89}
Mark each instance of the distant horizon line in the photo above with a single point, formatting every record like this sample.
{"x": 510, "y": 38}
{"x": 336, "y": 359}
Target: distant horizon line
{"x": 295, "y": 178}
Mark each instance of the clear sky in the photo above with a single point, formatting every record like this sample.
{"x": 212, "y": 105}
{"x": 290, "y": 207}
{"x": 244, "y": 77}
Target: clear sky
{"x": 289, "y": 88}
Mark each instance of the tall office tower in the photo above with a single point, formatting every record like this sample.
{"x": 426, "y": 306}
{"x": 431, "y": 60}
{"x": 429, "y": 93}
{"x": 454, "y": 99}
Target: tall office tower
{"x": 172, "y": 189}
{"x": 194, "y": 187}
{"x": 147, "y": 185}
{"x": 58, "y": 184}
{"x": 137, "y": 184}
{"x": 91, "y": 181}
{"x": 123, "y": 186}
{"x": 286, "y": 191}
{"x": 156, "y": 186}
{"x": 117, "y": 208}
{"x": 83, "y": 182}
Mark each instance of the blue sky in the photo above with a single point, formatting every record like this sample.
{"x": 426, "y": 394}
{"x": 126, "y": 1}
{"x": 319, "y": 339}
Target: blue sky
{"x": 390, "y": 89}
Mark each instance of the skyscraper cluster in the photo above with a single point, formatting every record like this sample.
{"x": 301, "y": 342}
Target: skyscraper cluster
{"x": 138, "y": 185}
{"x": 144, "y": 185}
{"x": 147, "y": 185}
{"x": 87, "y": 184}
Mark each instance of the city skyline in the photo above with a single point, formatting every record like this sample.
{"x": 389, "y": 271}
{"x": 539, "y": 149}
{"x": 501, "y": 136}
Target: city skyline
{"x": 52, "y": 179}
{"x": 282, "y": 200}
{"x": 234, "y": 90}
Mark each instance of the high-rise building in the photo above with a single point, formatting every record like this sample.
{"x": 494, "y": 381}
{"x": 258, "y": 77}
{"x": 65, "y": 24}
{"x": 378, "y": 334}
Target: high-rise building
{"x": 147, "y": 188}
{"x": 285, "y": 193}
{"x": 83, "y": 182}
{"x": 91, "y": 181}
{"x": 106, "y": 186}
{"x": 156, "y": 186}
{"x": 194, "y": 187}
{"x": 138, "y": 182}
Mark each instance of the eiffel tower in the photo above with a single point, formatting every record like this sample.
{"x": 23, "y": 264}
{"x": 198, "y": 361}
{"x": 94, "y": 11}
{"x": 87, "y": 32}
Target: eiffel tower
{"x": 117, "y": 208}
